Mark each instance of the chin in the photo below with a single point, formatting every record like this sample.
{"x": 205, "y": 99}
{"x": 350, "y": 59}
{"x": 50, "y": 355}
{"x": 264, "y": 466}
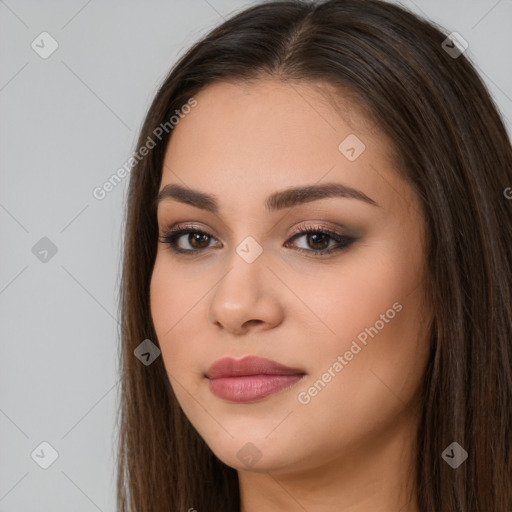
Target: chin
{"x": 255, "y": 453}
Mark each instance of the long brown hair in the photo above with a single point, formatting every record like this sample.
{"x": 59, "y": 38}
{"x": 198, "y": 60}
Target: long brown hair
{"x": 452, "y": 148}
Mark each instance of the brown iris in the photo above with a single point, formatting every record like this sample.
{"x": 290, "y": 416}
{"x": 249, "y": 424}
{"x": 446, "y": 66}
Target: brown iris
{"x": 313, "y": 240}
{"x": 199, "y": 238}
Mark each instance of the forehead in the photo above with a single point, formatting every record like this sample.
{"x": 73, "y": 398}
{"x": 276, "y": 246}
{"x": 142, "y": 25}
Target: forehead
{"x": 266, "y": 135}
{"x": 274, "y": 115}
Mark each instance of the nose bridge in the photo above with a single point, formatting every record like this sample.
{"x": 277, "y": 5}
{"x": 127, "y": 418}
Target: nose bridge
{"x": 245, "y": 269}
{"x": 246, "y": 239}
{"x": 244, "y": 293}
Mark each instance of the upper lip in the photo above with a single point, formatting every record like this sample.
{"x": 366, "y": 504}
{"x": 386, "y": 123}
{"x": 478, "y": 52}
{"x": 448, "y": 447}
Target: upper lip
{"x": 249, "y": 365}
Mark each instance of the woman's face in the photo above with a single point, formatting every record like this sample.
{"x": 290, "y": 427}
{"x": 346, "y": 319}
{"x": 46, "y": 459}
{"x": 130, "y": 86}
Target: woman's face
{"x": 350, "y": 323}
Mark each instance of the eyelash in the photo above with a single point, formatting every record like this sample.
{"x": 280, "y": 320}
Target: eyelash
{"x": 172, "y": 235}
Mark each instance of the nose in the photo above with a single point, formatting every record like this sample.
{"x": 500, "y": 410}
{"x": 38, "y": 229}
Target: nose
{"x": 246, "y": 297}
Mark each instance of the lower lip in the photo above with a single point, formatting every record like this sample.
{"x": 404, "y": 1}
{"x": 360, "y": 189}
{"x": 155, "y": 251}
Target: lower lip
{"x": 251, "y": 388}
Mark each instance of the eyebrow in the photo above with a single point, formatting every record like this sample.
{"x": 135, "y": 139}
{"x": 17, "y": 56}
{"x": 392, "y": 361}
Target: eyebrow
{"x": 276, "y": 201}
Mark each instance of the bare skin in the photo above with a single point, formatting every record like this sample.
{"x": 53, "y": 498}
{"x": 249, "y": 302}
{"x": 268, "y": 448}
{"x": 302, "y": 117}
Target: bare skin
{"x": 347, "y": 444}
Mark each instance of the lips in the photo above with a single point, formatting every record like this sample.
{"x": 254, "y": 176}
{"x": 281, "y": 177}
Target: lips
{"x": 250, "y": 379}
{"x": 249, "y": 365}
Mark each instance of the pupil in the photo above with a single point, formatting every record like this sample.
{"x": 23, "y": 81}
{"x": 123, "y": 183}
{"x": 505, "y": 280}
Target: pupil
{"x": 318, "y": 235}
{"x": 196, "y": 237}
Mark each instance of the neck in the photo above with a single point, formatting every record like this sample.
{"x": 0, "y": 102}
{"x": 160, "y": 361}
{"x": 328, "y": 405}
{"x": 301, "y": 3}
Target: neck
{"x": 377, "y": 475}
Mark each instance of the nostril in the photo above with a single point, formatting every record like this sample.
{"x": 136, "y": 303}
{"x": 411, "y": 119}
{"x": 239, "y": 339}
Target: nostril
{"x": 250, "y": 322}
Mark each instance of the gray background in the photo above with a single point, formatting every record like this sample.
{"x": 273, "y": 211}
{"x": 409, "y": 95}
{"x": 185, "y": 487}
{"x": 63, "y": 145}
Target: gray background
{"x": 67, "y": 123}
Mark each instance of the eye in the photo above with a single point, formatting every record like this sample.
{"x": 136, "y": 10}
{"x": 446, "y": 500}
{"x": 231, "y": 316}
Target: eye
{"x": 317, "y": 237}
{"x": 197, "y": 239}
{"x": 320, "y": 238}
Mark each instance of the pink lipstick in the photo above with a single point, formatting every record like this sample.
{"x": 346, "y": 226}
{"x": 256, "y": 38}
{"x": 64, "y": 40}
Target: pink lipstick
{"x": 250, "y": 378}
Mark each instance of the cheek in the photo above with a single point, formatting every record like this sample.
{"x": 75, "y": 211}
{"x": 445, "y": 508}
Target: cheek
{"x": 172, "y": 302}
{"x": 173, "y": 296}
{"x": 379, "y": 376}
{"x": 377, "y": 314}
{"x": 376, "y": 296}
{"x": 367, "y": 285}
{"x": 163, "y": 301}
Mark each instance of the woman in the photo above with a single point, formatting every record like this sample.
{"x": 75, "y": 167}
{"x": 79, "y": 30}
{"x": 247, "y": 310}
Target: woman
{"x": 318, "y": 245}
